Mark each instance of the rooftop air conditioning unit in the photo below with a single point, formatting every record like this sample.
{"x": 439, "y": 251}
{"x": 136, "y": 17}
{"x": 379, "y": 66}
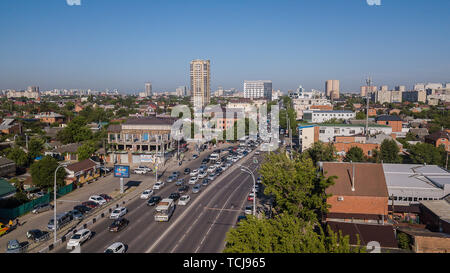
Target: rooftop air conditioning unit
{"x": 340, "y": 198}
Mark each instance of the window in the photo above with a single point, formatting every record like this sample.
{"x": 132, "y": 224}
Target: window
{"x": 322, "y": 131}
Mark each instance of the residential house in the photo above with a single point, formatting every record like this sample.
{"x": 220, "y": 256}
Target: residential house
{"x": 7, "y": 167}
{"x": 439, "y": 138}
{"x": 82, "y": 172}
{"x": 359, "y": 202}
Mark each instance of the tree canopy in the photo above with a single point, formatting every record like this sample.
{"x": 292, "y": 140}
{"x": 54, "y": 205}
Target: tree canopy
{"x": 355, "y": 154}
{"x": 43, "y": 172}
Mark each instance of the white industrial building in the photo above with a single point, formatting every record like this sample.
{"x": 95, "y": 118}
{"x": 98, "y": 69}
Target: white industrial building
{"x": 319, "y": 116}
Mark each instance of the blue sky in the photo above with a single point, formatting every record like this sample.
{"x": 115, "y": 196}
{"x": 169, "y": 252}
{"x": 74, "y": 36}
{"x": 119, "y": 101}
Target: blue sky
{"x": 123, "y": 43}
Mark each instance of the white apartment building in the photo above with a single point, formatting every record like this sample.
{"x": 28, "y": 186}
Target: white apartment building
{"x": 258, "y": 89}
{"x": 327, "y": 132}
{"x": 303, "y": 104}
{"x": 319, "y": 116}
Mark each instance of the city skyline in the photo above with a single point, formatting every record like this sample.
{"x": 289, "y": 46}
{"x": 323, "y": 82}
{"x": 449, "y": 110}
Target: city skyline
{"x": 133, "y": 43}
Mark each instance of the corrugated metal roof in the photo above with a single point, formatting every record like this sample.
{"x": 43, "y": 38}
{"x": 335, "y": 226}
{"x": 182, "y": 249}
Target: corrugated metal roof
{"x": 415, "y": 176}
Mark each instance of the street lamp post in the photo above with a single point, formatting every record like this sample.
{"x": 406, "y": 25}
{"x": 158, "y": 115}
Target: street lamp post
{"x": 247, "y": 170}
{"x": 54, "y": 203}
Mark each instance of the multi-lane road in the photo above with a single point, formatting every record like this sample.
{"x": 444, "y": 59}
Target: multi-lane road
{"x": 201, "y": 226}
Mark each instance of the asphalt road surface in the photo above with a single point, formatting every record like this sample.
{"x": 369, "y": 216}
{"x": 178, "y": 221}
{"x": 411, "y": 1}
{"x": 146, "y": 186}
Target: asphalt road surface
{"x": 201, "y": 226}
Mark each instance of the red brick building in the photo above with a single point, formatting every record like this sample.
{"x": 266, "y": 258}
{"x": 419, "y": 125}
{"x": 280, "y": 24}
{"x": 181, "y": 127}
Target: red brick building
{"x": 439, "y": 138}
{"x": 359, "y": 202}
{"x": 395, "y": 122}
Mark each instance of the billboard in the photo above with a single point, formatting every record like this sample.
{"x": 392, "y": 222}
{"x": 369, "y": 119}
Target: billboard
{"x": 122, "y": 171}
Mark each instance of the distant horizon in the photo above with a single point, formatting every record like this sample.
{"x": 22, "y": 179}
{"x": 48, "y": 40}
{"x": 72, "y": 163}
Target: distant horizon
{"x": 293, "y": 43}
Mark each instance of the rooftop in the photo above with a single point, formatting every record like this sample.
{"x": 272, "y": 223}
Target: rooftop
{"x": 150, "y": 121}
{"x": 369, "y": 179}
{"x": 440, "y": 208}
{"x": 415, "y": 175}
{"x": 86, "y": 164}
{"x": 388, "y": 118}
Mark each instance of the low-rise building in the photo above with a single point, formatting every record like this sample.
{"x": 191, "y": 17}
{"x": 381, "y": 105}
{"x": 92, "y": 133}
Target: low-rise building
{"x": 50, "y": 118}
{"x": 359, "y": 202}
{"x": 439, "y": 138}
{"x": 328, "y": 132}
{"x": 319, "y": 116}
{"x": 82, "y": 172}
{"x": 395, "y": 122}
{"x": 7, "y": 167}
{"x": 138, "y": 139}
{"x": 412, "y": 183}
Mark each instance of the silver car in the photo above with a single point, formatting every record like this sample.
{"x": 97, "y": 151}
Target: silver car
{"x": 41, "y": 208}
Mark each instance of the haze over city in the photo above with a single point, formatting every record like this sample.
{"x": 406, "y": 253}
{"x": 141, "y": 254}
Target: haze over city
{"x": 122, "y": 44}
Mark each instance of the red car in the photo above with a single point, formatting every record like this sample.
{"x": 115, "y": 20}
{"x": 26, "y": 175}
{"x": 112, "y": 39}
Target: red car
{"x": 106, "y": 197}
{"x": 90, "y": 204}
{"x": 250, "y": 198}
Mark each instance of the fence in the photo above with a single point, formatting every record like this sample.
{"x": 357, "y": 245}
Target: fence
{"x": 27, "y": 207}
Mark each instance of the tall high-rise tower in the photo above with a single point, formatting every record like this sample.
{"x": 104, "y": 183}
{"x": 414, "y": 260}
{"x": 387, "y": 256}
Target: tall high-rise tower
{"x": 200, "y": 83}
{"x": 148, "y": 89}
{"x": 332, "y": 89}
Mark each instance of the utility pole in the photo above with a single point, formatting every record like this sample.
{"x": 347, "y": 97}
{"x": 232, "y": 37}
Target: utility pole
{"x": 369, "y": 84}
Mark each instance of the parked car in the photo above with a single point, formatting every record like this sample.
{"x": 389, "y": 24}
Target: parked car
{"x": 194, "y": 156}
{"x": 41, "y": 208}
{"x": 61, "y": 220}
{"x": 76, "y": 214}
{"x": 197, "y": 188}
{"x": 118, "y": 225}
{"x": 147, "y": 194}
{"x": 97, "y": 199}
{"x": 37, "y": 235}
{"x": 203, "y": 168}
{"x": 140, "y": 171}
{"x": 250, "y": 197}
{"x": 145, "y": 168}
{"x": 14, "y": 246}
{"x": 118, "y": 212}
{"x": 176, "y": 174}
{"x": 187, "y": 171}
{"x": 180, "y": 182}
{"x": 174, "y": 196}
{"x": 184, "y": 200}
{"x": 153, "y": 200}
{"x": 90, "y": 204}
{"x": 183, "y": 189}
{"x": 78, "y": 238}
{"x": 205, "y": 161}
{"x": 106, "y": 197}
{"x": 158, "y": 185}
{"x": 83, "y": 209}
{"x": 116, "y": 247}
{"x": 193, "y": 180}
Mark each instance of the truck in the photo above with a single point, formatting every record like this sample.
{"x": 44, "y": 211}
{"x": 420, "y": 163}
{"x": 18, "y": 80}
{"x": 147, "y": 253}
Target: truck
{"x": 164, "y": 210}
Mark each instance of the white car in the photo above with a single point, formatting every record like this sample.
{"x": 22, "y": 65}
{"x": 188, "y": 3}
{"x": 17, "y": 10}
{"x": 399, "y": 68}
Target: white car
{"x": 184, "y": 199}
{"x": 193, "y": 180}
{"x": 235, "y": 159}
{"x": 158, "y": 185}
{"x": 147, "y": 194}
{"x": 97, "y": 199}
{"x": 202, "y": 174}
{"x": 194, "y": 172}
{"x": 118, "y": 212}
{"x": 117, "y": 247}
{"x": 257, "y": 153}
{"x": 78, "y": 238}
{"x": 212, "y": 169}
{"x": 140, "y": 171}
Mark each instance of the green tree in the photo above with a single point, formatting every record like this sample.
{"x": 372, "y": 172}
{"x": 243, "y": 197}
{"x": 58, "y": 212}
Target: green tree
{"x": 19, "y": 156}
{"x": 355, "y": 154}
{"x": 389, "y": 152}
{"x": 43, "y": 172}
{"x": 76, "y": 131}
{"x": 285, "y": 234}
{"x": 296, "y": 186}
{"x": 426, "y": 153}
{"x": 403, "y": 241}
{"x": 35, "y": 147}
{"x": 360, "y": 115}
{"x": 321, "y": 152}
{"x": 86, "y": 150}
